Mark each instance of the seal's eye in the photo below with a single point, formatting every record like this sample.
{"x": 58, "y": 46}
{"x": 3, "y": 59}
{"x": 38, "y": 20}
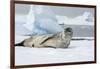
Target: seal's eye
{"x": 68, "y": 30}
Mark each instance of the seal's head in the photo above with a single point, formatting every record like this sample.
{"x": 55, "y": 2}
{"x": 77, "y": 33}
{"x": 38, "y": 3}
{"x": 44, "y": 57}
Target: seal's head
{"x": 68, "y": 31}
{"x": 67, "y": 35}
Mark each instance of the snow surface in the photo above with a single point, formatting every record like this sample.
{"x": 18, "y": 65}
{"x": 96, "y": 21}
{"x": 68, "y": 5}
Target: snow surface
{"x": 78, "y": 51}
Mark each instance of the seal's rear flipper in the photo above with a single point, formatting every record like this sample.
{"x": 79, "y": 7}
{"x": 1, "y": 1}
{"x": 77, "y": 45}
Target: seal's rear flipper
{"x": 20, "y": 44}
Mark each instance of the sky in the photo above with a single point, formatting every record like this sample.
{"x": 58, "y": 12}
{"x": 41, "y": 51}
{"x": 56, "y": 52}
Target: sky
{"x": 58, "y": 10}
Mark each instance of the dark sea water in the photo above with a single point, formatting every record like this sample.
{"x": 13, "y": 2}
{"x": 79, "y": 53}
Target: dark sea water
{"x": 81, "y": 30}
{"x": 78, "y": 30}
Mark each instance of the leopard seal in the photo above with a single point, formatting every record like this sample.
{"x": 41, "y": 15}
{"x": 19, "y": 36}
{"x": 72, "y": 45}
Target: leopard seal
{"x": 59, "y": 40}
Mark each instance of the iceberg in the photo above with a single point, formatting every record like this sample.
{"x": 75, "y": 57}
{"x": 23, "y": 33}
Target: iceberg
{"x": 45, "y": 21}
{"x": 39, "y": 21}
{"x": 85, "y": 19}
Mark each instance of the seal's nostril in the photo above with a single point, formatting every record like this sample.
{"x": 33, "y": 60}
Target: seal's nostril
{"x": 33, "y": 45}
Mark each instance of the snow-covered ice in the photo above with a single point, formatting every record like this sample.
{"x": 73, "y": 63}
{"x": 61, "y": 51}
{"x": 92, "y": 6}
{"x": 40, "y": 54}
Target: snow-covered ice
{"x": 78, "y": 51}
